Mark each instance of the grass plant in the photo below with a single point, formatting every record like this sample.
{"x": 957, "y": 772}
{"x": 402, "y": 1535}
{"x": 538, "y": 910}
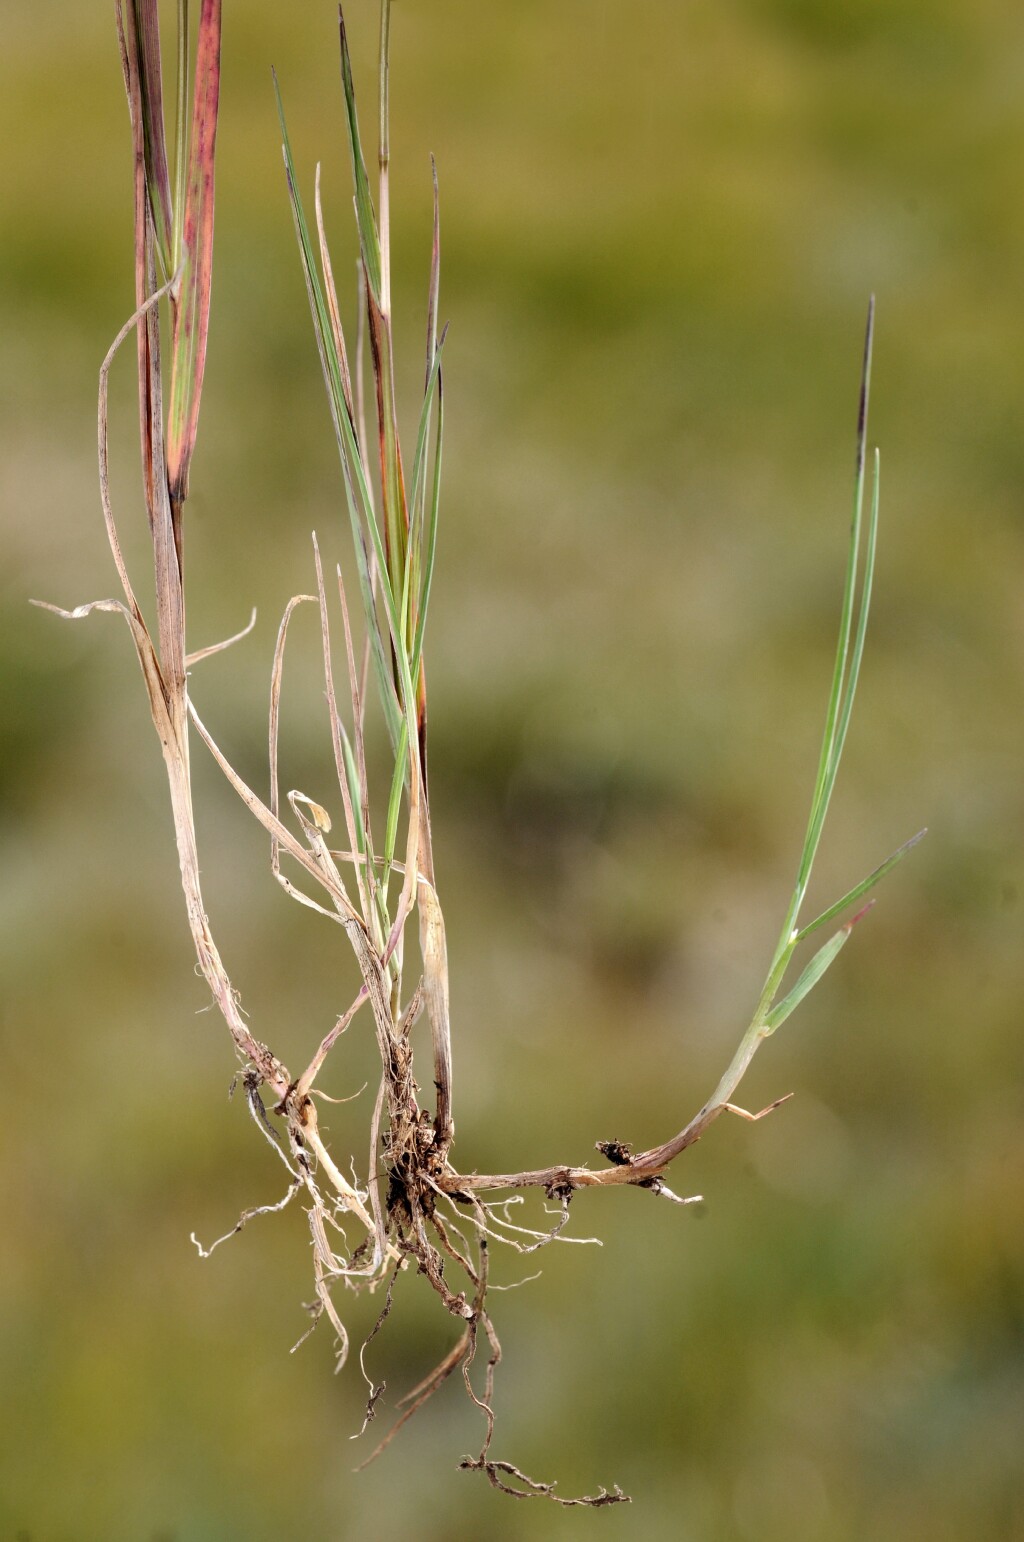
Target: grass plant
{"x": 413, "y": 1207}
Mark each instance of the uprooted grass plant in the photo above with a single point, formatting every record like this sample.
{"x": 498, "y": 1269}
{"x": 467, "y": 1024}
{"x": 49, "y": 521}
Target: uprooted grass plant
{"x": 413, "y": 1207}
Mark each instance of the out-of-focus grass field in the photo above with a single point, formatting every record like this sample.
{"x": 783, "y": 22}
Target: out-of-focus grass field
{"x": 661, "y": 224}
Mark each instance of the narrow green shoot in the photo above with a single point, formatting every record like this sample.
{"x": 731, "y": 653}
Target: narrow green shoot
{"x": 402, "y": 549}
{"x": 395, "y": 802}
{"x": 357, "y": 492}
{"x": 847, "y": 668}
{"x": 770, "y": 1013}
{"x": 845, "y": 675}
{"x": 430, "y": 536}
{"x": 412, "y": 577}
{"x": 366, "y": 220}
{"x": 419, "y": 583}
{"x": 373, "y": 247}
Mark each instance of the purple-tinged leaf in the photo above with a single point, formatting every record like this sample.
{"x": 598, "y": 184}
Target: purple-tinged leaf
{"x": 192, "y": 315}
{"x": 148, "y": 332}
{"x": 146, "y": 23}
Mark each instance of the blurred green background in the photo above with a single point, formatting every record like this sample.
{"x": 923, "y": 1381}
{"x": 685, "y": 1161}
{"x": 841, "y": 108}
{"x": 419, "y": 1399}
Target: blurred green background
{"x": 661, "y": 224}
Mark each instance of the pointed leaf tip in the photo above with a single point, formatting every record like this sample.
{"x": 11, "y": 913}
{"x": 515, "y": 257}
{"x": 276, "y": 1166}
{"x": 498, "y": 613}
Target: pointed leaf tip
{"x": 861, "y": 888}
{"x": 862, "y": 912}
{"x": 865, "y": 386}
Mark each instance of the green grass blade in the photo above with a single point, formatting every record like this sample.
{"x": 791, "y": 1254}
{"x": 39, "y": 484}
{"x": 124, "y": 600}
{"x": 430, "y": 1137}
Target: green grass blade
{"x": 373, "y": 247}
{"x": 352, "y": 462}
{"x": 333, "y": 309}
{"x": 417, "y": 586}
{"x": 366, "y": 220}
{"x": 862, "y": 888}
{"x": 430, "y": 537}
{"x": 435, "y": 280}
{"x": 354, "y": 790}
{"x": 391, "y": 554}
{"x": 390, "y": 573}
{"x": 414, "y": 553}
{"x": 357, "y": 494}
{"x": 828, "y": 764}
{"x": 837, "y": 714}
{"x": 862, "y": 621}
{"x": 395, "y": 799}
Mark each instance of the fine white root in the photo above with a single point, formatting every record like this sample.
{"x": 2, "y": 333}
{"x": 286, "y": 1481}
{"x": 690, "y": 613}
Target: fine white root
{"x": 247, "y": 1215}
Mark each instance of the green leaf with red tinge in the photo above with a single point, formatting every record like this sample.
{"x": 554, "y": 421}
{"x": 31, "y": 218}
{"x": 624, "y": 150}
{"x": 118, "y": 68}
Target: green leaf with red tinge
{"x": 192, "y": 313}
{"x": 145, "y": 22}
{"x": 180, "y": 132}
